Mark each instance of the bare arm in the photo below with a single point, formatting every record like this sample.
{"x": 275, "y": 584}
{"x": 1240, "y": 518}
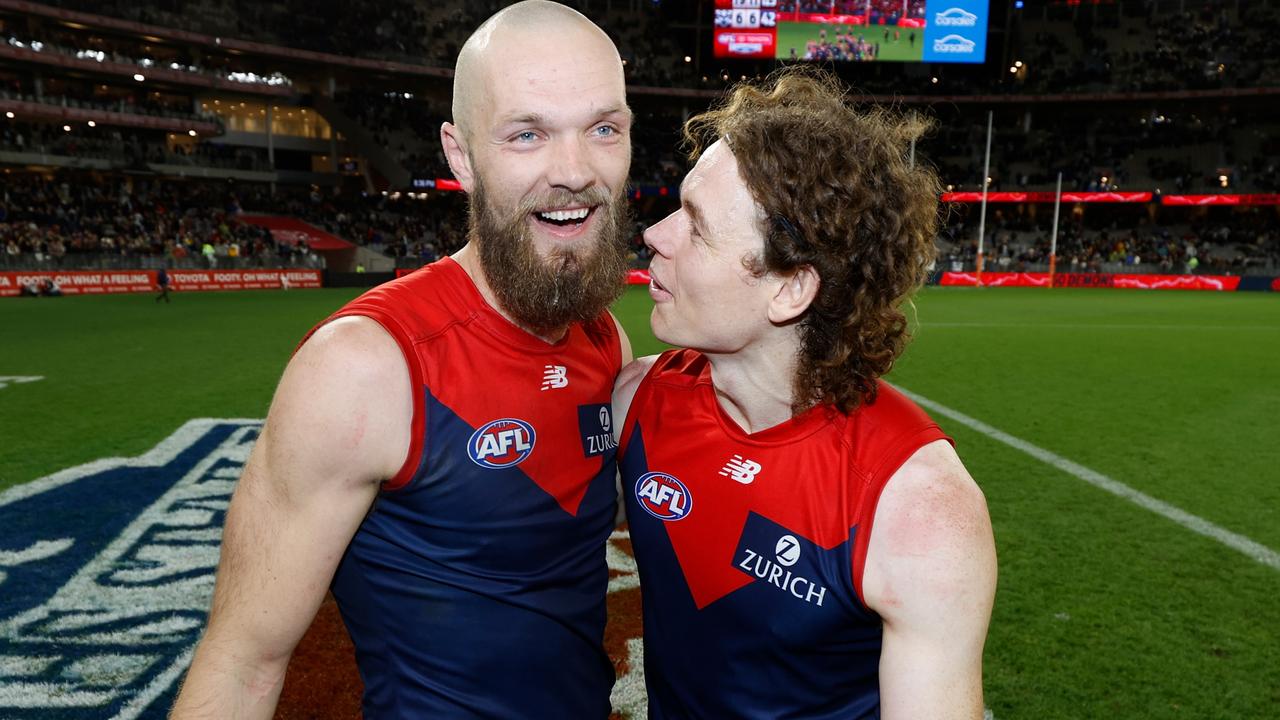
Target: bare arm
{"x": 339, "y": 424}
{"x": 624, "y": 342}
{"x": 624, "y": 391}
{"x": 931, "y": 575}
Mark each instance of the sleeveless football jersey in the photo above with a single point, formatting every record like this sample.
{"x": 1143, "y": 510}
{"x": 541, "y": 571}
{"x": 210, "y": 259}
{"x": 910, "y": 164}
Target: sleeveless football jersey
{"x": 476, "y": 585}
{"x": 750, "y": 547}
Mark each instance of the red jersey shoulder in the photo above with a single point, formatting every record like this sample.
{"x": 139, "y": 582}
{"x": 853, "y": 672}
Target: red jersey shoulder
{"x": 603, "y": 333}
{"x": 423, "y": 302}
{"x": 891, "y": 407}
{"x": 882, "y": 432}
{"x": 679, "y": 367}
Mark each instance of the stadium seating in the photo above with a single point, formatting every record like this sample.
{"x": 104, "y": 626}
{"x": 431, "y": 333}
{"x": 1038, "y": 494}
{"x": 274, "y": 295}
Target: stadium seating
{"x": 375, "y": 184}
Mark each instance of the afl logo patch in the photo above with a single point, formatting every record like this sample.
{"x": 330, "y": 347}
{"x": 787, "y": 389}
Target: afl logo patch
{"x": 663, "y": 496}
{"x": 501, "y": 444}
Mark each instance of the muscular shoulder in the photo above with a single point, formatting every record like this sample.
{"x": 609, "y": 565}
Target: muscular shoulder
{"x": 354, "y": 347}
{"x": 931, "y": 542}
{"x": 345, "y": 399}
{"x": 625, "y": 387}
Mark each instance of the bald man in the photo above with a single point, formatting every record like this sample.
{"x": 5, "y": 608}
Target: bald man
{"x": 439, "y": 452}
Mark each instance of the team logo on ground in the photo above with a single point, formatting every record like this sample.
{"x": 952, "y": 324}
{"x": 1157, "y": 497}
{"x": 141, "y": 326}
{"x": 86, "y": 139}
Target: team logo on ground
{"x": 501, "y": 444}
{"x": 663, "y": 496}
{"x": 106, "y": 571}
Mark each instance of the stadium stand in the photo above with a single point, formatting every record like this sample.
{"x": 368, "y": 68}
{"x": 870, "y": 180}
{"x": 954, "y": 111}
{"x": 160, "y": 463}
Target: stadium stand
{"x": 341, "y": 129}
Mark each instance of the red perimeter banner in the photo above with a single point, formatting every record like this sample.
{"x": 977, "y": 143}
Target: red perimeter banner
{"x": 1048, "y": 197}
{"x": 78, "y": 282}
{"x": 1254, "y": 199}
{"x": 1137, "y": 282}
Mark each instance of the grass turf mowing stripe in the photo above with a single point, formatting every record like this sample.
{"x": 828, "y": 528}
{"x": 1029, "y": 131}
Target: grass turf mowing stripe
{"x": 1254, "y": 550}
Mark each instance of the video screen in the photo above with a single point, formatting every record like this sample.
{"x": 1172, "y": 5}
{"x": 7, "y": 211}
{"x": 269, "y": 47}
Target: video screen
{"x": 941, "y": 31}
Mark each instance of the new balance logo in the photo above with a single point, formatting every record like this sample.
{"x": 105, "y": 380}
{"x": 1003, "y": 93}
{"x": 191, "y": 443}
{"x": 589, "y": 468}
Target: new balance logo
{"x": 743, "y": 471}
{"x": 555, "y": 376}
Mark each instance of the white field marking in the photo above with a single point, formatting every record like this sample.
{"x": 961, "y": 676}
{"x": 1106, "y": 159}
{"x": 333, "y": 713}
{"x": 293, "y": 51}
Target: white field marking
{"x": 178, "y": 596}
{"x": 6, "y": 380}
{"x": 629, "y": 698}
{"x": 39, "y": 550}
{"x": 620, "y": 561}
{"x": 1088, "y": 326}
{"x": 161, "y": 454}
{"x": 1254, "y": 550}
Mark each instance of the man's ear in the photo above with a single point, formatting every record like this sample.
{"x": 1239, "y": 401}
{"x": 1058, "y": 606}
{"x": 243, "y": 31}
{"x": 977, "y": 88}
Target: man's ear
{"x": 455, "y": 151}
{"x": 795, "y": 293}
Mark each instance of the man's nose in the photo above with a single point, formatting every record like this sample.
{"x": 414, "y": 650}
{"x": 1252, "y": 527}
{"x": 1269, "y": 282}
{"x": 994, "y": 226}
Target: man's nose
{"x": 657, "y": 237}
{"x": 570, "y": 166}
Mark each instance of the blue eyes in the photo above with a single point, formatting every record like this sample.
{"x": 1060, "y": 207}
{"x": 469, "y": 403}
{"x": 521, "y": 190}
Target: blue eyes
{"x": 526, "y": 137}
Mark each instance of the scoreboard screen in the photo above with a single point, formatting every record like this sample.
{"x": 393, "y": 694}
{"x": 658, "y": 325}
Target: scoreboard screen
{"x": 942, "y": 31}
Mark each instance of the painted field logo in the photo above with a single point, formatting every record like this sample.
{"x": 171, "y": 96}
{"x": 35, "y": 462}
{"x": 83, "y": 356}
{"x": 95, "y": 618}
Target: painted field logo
{"x": 106, "y": 571}
{"x": 502, "y": 443}
{"x": 663, "y": 496}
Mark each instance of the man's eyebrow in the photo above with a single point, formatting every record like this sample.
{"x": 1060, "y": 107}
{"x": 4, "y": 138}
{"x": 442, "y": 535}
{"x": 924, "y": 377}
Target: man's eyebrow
{"x": 695, "y": 213}
{"x": 522, "y": 118}
{"x": 618, "y": 110}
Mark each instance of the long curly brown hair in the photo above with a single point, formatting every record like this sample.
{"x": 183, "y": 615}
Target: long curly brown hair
{"x": 839, "y": 194}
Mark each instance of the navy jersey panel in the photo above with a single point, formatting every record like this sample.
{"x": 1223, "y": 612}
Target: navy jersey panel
{"x": 761, "y": 651}
{"x": 476, "y": 585}
{"x": 750, "y": 547}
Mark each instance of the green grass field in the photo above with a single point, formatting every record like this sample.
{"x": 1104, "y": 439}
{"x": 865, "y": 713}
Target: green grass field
{"x": 794, "y": 35}
{"x": 1105, "y": 609}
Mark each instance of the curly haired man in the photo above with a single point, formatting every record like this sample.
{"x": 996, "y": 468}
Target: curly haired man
{"x": 809, "y": 543}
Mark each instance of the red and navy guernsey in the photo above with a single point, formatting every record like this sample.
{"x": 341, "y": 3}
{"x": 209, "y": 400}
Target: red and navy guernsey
{"x": 476, "y": 585}
{"x": 751, "y": 547}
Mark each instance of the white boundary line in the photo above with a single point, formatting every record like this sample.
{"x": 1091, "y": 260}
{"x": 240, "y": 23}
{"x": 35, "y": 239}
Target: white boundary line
{"x": 1235, "y": 541}
{"x": 6, "y": 380}
{"x": 1091, "y": 326}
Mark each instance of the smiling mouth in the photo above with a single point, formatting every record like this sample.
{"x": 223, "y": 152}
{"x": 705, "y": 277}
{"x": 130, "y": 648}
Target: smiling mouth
{"x": 566, "y": 218}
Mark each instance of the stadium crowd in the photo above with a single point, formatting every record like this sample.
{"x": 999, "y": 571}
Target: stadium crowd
{"x": 1164, "y": 146}
{"x": 1215, "y": 45}
{"x": 127, "y": 146}
{"x": 89, "y": 220}
{"x": 1139, "y": 46}
{"x": 1226, "y": 242}
{"x": 80, "y": 219}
